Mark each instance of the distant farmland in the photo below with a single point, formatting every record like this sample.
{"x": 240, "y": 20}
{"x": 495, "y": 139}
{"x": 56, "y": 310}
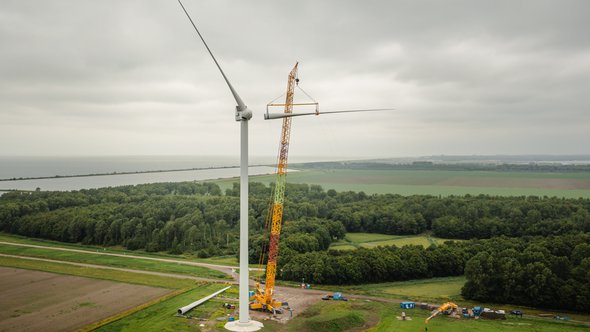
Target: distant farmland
{"x": 370, "y": 240}
{"x": 441, "y": 182}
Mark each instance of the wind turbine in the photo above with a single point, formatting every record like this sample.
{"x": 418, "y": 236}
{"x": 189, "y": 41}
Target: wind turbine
{"x": 243, "y": 115}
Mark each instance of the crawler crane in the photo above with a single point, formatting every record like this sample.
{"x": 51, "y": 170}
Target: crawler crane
{"x": 263, "y": 299}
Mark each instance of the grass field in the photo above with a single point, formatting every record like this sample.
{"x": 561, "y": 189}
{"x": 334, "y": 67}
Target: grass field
{"x": 427, "y": 182}
{"x": 389, "y": 322}
{"x": 434, "y": 289}
{"x": 121, "y": 276}
{"x": 161, "y": 316}
{"x": 115, "y": 261}
{"x": 222, "y": 260}
{"x": 357, "y": 315}
{"x": 370, "y": 240}
{"x": 330, "y": 316}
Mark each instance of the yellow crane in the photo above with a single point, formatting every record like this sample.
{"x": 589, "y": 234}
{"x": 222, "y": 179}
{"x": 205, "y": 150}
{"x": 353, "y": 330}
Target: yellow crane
{"x": 443, "y": 307}
{"x": 263, "y": 299}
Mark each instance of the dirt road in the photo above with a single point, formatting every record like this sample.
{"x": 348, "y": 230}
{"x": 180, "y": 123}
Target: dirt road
{"x": 223, "y": 268}
{"x": 163, "y": 274}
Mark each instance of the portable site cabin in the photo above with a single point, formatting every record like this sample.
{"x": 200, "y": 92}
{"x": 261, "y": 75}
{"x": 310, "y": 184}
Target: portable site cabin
{"x": 407, "y": 305}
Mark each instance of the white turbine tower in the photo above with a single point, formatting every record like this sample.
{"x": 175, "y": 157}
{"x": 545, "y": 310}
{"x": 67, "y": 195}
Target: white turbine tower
{"x": 243, "y": 115}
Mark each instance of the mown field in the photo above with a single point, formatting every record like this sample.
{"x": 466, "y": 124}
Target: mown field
{"x": 369, "y": 240}
{"x": 356, "y": 315}
{"x": 431, "y": 182}
{"x": 114, "y": 261}
{"x": 161, "y": 316}
{"x": 362, "y": 315}
{"x": 222, "y": 260}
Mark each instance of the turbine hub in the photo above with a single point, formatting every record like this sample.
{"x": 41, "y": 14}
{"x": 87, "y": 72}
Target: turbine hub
{"x": 243, "y": 113}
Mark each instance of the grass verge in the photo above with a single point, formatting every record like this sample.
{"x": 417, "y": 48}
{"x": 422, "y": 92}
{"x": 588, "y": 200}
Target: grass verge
{"x": 161, "y": 316}
{"x": 81, "y": 271}
{"x": 115, "y": 261}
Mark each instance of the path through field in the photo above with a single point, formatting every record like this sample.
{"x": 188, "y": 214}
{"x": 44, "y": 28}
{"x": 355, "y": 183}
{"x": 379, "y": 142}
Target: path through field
{"x": 223, "y": 268}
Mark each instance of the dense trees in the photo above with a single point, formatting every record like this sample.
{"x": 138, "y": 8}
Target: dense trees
{"x": 552, "y": 272}
{"x": 376, "y": 265}
{"x": 215, "y": 215}
{"x": 462, "y": 217}
{"x": 538, "y": 252}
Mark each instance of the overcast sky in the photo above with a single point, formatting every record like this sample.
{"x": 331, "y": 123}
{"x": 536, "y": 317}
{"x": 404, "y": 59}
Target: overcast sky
{"x": 131, "y": 78}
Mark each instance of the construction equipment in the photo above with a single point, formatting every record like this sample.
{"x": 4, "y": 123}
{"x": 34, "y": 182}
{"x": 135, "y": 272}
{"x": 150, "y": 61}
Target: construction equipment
{"x": 228, "y": 306}
{"x": 446, "y": 306}
{"x": 336, "y": 297}
{"x": 263, "y": 298}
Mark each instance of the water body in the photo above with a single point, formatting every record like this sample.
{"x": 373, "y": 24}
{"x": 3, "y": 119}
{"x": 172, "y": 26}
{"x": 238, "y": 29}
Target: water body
{"x": 26, "y": 167}
{"x": 207, "y": 168}
{"x": 100, "y": 181}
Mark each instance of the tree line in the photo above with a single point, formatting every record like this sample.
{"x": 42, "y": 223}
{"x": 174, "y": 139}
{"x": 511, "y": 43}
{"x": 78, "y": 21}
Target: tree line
{"x": 551, "y": 272}
{"x": 537, "y": 252}
{"x": 463, "y": 217}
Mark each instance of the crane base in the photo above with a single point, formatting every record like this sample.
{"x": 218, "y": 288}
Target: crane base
{"x": 249, "y": 326}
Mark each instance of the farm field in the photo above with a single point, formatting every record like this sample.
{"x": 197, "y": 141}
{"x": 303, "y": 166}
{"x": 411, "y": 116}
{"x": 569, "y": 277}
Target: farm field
{"x": 97, "y": 273}
{"x": 227, "y": 260}
{"x": 431, "y": 182}
{"x": 161, "y": 316}
{"x": 115, "y": 261}
{"x": 370, "y": 240}
{"x": 221, "y": 260}
{"x": 42, "y": 301}
{"x": 158, "y": 316}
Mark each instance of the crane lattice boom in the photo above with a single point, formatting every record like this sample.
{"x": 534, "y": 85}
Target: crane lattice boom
{"x": 263, "y": 299}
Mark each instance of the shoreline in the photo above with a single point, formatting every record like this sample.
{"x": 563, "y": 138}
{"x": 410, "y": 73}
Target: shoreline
{"x": 125, "y": 173}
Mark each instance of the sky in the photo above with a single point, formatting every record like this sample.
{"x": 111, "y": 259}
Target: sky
{"x": 91, "y": 78}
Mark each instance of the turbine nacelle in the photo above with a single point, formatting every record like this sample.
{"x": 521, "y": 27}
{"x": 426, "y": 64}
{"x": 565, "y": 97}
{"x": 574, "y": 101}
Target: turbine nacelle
{"x": 243, "y": 113}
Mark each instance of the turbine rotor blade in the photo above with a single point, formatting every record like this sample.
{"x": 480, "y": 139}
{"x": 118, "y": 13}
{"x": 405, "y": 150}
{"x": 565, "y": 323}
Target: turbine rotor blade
{"x": 268, "y": 116}
{"x": 241, "y": 105}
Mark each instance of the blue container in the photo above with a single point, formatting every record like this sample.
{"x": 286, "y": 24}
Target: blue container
{"x": 231, "y": 319}
{"x": 407, "y": 305}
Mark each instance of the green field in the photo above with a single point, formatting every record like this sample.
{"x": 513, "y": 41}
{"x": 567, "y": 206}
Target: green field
{"x": 369, "y": 240}
{"x": 434, "y": 289}
{"x": 357, "y": 315}
{"x": 81, "y": 271}
{"x": 222, "y": 260}
{"x": 161, "y": 316}
{"x": 329, "y": 316}
{"x": 120, "y": 262}
{"x": 389, "y": 322}
{"x": 431, "y": 182}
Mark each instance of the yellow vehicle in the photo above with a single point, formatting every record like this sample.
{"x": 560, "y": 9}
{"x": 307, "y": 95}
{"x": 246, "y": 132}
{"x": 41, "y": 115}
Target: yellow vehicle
{"x": 442, "y": 308}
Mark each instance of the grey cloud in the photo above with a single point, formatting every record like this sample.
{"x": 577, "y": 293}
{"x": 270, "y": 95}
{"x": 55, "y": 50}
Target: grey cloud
{"x": 134, "y": 76}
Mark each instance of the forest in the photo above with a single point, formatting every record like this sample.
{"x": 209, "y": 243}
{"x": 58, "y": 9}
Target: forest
{"x": 526, "y": 250}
